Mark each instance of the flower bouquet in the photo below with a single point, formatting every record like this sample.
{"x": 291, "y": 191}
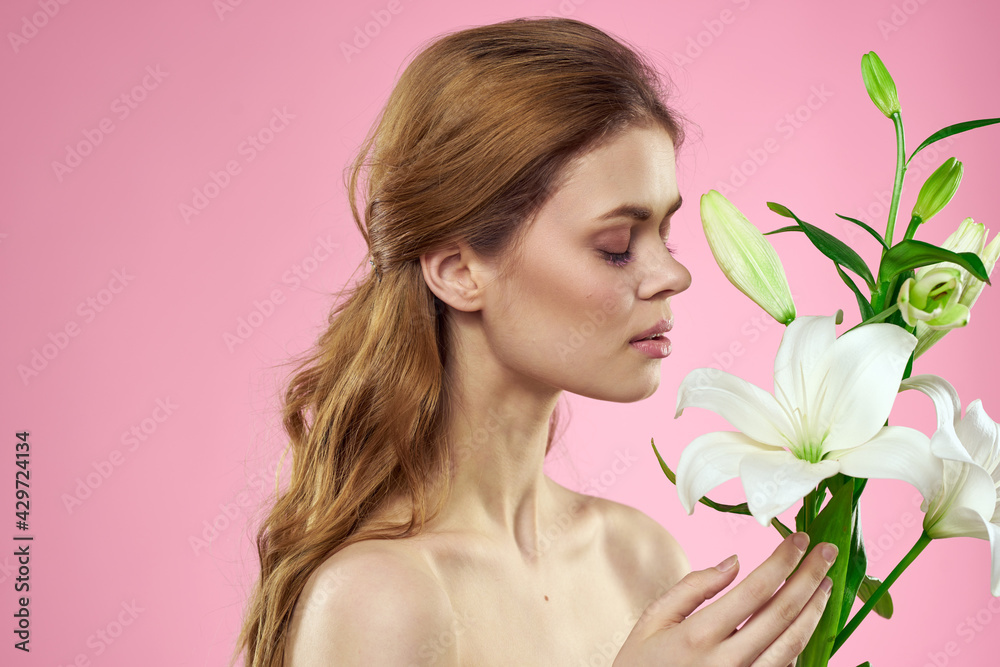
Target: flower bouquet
{"x": 824, "y": 430}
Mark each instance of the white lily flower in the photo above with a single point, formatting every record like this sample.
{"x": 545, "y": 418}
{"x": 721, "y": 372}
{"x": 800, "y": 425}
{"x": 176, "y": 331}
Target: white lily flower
{"x": 831, "y": 399}
{"x": 960, "y": 491}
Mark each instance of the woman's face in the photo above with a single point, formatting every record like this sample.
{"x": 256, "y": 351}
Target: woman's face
{"x": 593, "y": 276}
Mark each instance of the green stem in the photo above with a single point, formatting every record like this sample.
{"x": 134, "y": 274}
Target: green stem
{"x": 911, "y": 228}
{"x": 809, "y": 507}
{"x": 782, "y": 529}
{"x": 852, "y": 625}
{"x": 897, "y": 186}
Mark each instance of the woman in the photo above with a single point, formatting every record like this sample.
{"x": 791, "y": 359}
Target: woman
{"x": 519, "y": 183}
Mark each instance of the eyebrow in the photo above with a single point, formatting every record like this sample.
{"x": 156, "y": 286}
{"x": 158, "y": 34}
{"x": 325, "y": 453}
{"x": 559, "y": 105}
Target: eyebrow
{"x": 637, "y": 212}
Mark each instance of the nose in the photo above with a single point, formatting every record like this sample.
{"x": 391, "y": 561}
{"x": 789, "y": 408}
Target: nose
{"x": 667, "y": 276}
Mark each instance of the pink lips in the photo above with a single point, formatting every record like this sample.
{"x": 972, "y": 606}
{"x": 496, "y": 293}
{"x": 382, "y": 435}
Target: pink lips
{"x": 656, "y": 348}
{"x": 662, "y": 326}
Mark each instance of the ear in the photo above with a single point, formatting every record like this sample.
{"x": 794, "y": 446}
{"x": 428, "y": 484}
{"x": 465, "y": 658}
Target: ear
{"x": 456, "y": 275}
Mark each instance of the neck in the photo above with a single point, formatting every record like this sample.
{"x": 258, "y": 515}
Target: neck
{"x": 499, "y": 431}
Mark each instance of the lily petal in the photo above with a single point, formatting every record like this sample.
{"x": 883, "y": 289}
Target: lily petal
{"x": 944, "y": 442}
{"x": 804, "y": 346}
{"x": 981, "y": 437}
{"x": 896, "y": 452}
{"x": 959, "y": 522}
{"x": 864, "y": 368}
{"x": 994, "y": 533}
{"x": 709, "y": 460}
{"x": 747, "y": 407}
{"x": 964, "y": 504}
{"x": 952, "y": 317}
{"x": 774, "y": 480}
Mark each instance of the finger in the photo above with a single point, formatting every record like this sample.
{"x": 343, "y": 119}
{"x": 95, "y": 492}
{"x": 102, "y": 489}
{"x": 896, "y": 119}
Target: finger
{"x": 753, "y": 592}
{"x": 793, "y": 640}
{"x": 783, "y": 609}
{"x": 687, "y": 594}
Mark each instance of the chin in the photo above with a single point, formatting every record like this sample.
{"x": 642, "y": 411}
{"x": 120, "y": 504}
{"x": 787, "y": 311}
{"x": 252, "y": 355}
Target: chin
{"x": 638, "y": 387}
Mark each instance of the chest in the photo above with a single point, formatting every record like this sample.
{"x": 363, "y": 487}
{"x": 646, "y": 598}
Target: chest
{"x": 576, "y": 616}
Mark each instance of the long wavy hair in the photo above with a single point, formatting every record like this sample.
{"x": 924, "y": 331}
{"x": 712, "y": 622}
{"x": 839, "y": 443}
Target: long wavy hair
{"x": 471, "y": 142}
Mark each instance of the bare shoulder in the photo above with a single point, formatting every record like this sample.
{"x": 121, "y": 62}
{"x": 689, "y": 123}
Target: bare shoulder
{"x": 643, "y": 548}
{"x": 372, "y": 602}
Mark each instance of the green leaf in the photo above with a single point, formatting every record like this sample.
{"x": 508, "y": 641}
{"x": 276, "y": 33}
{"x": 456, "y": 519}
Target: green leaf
{"x": 878, "y": 237}
{"x": 663, "y": 464}
{"x": 868, "y": 586}
{"x": 857, "y": 565}
{"x": 911, "y": 254}
{"x": 865, "y": 664}
{"x": 832, "y": 525}
{"x": 863, "y": 306}
{"x": 790, "y": 228}
{"x": 953, "y": 129}
{"x": 780, "y": 209}
{"x": 830, "y": 245}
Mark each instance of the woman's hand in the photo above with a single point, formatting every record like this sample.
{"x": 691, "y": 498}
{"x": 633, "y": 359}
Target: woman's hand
{"x": 779, "y": 624}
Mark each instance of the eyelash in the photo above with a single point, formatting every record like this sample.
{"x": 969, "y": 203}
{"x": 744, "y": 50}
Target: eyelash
{"x": 623, "y": 258}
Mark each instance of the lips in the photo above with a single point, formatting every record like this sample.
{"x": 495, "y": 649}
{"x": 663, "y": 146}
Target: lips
{"x": 661, "y": 327}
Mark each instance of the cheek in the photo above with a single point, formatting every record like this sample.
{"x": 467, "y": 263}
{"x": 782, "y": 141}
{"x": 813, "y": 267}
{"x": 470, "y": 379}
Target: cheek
{"x": 587, "y": 311}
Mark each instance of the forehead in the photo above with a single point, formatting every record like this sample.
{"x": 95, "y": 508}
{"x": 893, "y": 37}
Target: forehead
{"x": 636, "y": 166}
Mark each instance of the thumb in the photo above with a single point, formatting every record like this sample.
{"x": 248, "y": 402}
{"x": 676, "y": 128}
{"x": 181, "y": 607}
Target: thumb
{"x": 687, "y": 595}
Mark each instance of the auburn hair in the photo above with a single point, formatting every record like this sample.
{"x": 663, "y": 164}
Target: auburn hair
{"x": 471, "y": 141}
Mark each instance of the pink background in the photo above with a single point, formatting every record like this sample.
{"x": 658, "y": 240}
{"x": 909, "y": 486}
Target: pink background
{"x": 278, "y": 239}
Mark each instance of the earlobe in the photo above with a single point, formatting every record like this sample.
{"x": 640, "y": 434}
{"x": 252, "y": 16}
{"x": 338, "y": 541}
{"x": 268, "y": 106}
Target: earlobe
{"x": 451, "y": 273}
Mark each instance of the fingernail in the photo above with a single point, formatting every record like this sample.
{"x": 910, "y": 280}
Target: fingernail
{"x": 727, "y": 564}
{"x": 826, "y": 584}
{"x": 801, "y": 540}
{"x": 829, "y": 552}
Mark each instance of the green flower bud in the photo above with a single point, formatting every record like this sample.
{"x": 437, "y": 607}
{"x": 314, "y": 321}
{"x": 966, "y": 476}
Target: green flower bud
{"x": 933, "y": 297}
{"x": 938, "y": 190}
{"x": 879, "y": 84}
{"x": 747, "y": 259}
